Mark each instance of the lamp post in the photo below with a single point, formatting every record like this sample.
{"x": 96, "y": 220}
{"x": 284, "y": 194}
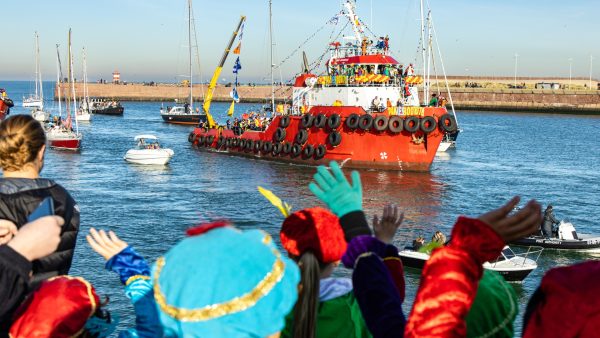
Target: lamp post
{"x": 591, "y": 63}
{"x": 570, "y": 71}
{"x": 516, "y": 65}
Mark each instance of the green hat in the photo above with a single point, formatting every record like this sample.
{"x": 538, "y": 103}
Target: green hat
{"x": 494, "y": 309}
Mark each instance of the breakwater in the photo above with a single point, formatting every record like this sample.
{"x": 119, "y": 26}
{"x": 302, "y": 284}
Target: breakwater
{"x": 494, "y": 99}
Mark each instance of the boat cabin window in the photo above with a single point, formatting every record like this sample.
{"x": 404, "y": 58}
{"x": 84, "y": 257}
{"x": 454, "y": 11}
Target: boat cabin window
{"x": 148, "y": 144}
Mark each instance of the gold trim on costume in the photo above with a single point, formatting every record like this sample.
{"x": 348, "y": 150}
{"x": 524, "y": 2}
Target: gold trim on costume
{"x": 234, "y": 305}
{"x": 136, "y": 277}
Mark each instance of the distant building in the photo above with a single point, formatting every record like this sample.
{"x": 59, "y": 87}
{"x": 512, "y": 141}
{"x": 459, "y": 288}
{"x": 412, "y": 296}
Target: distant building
{"x": 116, "y": 77}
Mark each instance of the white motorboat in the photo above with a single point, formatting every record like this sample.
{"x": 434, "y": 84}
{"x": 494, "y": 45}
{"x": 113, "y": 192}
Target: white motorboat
{"x": 512, "y": 266}
{"x": 148, "y": 151}
{"x": 40, "y": 115}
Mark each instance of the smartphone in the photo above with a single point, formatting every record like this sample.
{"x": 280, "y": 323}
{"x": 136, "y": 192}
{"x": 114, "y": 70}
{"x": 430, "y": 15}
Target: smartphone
{"x": 46, "y": 208}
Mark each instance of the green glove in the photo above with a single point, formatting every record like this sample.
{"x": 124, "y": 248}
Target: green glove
{"x": 333, "y": 189}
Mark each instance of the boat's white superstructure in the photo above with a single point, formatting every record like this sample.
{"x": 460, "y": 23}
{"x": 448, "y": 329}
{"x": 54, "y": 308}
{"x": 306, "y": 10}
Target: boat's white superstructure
{"x": 148, "y": 151}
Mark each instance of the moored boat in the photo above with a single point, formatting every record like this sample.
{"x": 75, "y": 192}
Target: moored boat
{"x": 148, "y": 151}
{"x": 63, "y": 138}
{"x": 364, "y": 112}
{"x": 106, "y": 107}
{"x": 512, "y": 266}
{"x": 565, "y": 238}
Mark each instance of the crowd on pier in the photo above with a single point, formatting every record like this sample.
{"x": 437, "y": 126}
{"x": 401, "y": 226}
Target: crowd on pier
{"x": 221, "y": 281}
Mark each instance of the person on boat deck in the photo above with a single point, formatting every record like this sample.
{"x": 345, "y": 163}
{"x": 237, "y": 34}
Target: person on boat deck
{"x": 443, "y": 101}
{"x": 375, "y": 103}
{"x": 418, "y": 243}
{"x": 186, "y": 108}
{"x": 228, "y": 124}
{"x": 549, "y": 222}
{"x": 388, "y": 103}
{"x": 434, "y": 100}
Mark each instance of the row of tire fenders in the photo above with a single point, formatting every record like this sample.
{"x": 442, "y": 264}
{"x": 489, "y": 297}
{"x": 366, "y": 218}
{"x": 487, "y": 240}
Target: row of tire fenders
{"x": 394, "y": 124}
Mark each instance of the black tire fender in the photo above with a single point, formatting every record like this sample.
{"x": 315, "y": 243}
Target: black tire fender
{"x": 249, "y": 145}
{"x": 320, "y": 151}
{"x": 308, "y": 151}
{"x": 242, "y": 144}
{"x": 284, "y": 122}
{"x": 201, "y": 140}
{"x": 301, "y": 136}
{"x": 279, "y": 135}
{"x": 267, "y": 147}
{"x": 296, "y": 150}
{"x": 365, "y": 122}
{"x": 209, "y": 140}
{"x": 411, "y": 124}
{"x": 191, "y": 137}
{"x": 428, "y": 124}
{"x": 320, "y": 121}
{"x": 352, "y": 121}
{"x": 380, "y": 123}
{"x": 447, "y": 123}
{"x": 395, "y": 124}
{"x": 276, "y": 149}
{"x": 234, "y": 142}
{"x": 334, "y": 121}
{"x": 287, "y": 148}
{"x": 306, "y": 121}
{"x": 257, "y": 146}
{"x": 334, "y": 139}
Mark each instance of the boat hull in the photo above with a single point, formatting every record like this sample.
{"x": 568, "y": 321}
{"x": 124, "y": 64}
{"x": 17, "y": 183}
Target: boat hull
{"x": 116, "y": 111}
{"x": 190, "y": 119}
{"x": 416, "y": 260}
{"x": 65, "y": 144}
{"x": 359, "y": 148}
{"x": 84, "y": 117}
{"x": 159, "y": 157}
{"x": 587, "y": 244}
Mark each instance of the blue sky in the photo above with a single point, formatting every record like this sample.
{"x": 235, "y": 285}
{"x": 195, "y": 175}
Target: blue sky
{"x": 146, "y": 39}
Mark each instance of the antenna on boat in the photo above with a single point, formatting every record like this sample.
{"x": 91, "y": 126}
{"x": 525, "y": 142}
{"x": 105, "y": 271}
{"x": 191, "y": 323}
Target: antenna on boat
{"x": 38, "y": 71}
{"x": 272, "y": 65}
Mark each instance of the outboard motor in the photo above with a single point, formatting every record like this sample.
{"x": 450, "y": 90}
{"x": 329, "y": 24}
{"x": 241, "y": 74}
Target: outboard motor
{"x": 566, "y": 230}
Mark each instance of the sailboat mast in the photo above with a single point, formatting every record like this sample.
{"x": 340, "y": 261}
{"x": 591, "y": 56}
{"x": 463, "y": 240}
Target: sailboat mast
{"x": 427, "y": 86}
{"x": 85, "y": 88}
{"x": 271, "y": 45}
{"x": 38, "y": 70}
{"x": 191, "y": 99}
{"x": 72, "y": 79}
{"x": 423, "y": 49}
{"x": 58, "y": 76}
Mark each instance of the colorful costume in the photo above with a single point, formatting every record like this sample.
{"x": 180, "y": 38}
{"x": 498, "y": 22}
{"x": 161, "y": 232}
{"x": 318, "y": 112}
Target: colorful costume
{"x": 449, "y": 281}
{"x": 224, "y": 282}
{"x": 318, "y": 231}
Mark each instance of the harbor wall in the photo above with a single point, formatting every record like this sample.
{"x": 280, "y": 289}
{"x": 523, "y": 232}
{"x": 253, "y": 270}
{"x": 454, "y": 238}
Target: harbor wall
{"x": 493, "y": 99}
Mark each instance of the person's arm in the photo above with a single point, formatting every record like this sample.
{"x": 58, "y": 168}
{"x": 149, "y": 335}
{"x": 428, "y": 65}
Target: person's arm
{"x": 451, "y": 275}
{"x": 343, "y": 199}
{"x": 33, "y": 241}
{"x": 14, "y": 280}
{"x": 134, "y": 273}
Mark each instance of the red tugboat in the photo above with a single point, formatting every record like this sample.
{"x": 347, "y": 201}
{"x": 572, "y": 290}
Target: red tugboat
{"x": 364, "y": 112}
{"x": 5, "y": 104}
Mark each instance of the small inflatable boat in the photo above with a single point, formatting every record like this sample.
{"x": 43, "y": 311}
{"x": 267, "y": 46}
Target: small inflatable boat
{"x": 512, "y": 266}
{"x": 566, "y": 238}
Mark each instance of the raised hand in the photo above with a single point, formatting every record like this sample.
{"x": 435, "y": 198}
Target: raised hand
{"x": 8, "y": 230}
{"x": 333, "y": 189}
{"x": 514, "y": 226}
{"x": 390, "y": 222}
{"x": 39, "y": 238}
{"x": 105, "y": 245}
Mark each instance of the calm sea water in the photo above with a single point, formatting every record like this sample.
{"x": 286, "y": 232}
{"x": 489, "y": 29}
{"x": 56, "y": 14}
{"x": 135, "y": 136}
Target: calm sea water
{"x": 552, "y": 158}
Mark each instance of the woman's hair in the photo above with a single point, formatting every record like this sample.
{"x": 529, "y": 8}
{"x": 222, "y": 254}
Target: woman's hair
{"x": 305, "y": 310}
{"x": 21, "y": 138}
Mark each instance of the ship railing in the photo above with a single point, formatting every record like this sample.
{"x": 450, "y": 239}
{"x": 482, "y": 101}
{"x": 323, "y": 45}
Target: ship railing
{"x": 533, "y": 253}
{"x": 356, "y": 50}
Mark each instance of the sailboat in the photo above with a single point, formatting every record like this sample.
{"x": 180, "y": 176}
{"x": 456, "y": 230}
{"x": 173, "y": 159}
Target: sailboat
{"x": 185, "y": 114}
{"x": 62, "y": 135}
{"x": 36, "y": 100}
{"x": 427, "y": 54}
{"x": 83, "y": 113}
